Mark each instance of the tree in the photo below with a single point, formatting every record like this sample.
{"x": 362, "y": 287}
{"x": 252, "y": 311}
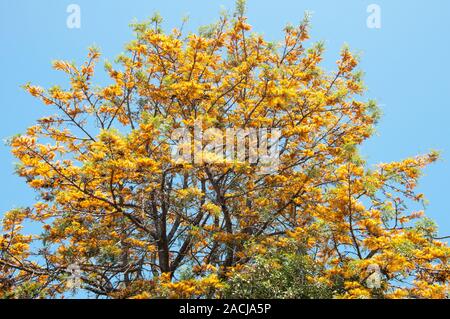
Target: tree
{"x": 140, "y": 223}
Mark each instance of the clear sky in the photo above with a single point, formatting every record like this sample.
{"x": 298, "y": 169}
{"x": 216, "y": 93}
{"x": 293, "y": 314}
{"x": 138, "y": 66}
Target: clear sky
{"x": 406, "y": 62}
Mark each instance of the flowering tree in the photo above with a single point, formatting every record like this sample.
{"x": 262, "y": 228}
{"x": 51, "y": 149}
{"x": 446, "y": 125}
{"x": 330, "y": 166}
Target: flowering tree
{"x": 138, "y": 223}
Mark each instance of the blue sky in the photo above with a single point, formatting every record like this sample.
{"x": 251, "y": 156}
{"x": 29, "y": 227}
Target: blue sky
{"x": 406, "y": 63}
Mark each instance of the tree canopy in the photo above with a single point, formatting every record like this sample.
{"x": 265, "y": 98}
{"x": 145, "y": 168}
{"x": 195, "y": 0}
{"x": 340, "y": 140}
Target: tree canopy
{"x": 140, "y": 224}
